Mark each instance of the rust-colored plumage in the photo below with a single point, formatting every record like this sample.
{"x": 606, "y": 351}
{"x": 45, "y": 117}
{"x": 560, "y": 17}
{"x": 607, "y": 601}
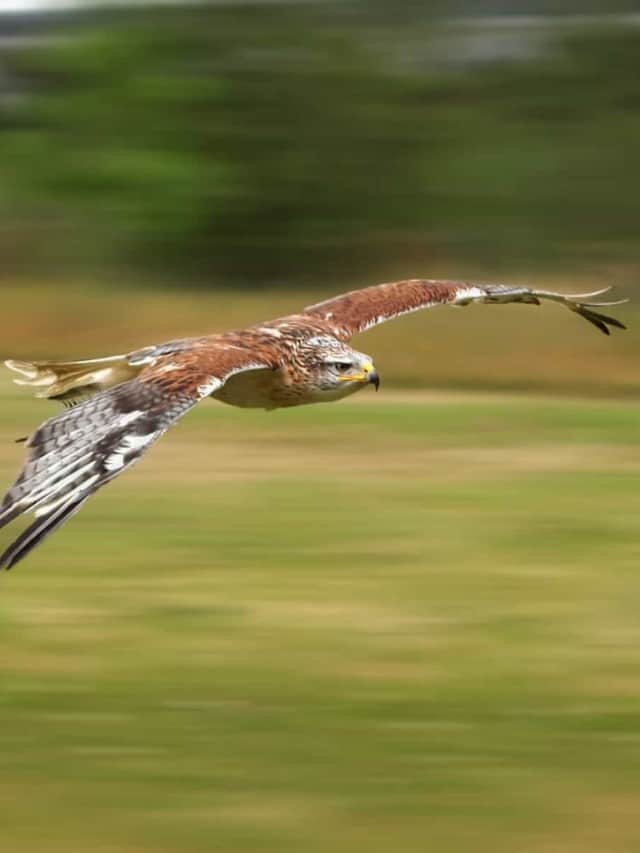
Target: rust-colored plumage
{"x": 119, "y": 406}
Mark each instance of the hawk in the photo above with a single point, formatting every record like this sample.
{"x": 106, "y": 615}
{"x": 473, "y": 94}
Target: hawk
{"x": 119, "y": 406}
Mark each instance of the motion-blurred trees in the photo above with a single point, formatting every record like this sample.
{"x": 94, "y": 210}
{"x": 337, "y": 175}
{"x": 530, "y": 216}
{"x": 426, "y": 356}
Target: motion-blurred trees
{"x": 281, "y": 143}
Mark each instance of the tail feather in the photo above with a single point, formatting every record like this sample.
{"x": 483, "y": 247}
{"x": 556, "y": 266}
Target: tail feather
{"x": 72, "y": 381}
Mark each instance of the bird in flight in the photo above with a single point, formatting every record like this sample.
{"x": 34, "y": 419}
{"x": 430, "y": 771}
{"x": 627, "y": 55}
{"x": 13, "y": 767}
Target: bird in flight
{"x": 117, "y": 407}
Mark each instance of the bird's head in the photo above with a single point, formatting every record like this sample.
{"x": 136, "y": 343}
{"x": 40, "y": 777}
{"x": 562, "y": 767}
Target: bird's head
{"x": 336, "y": 370}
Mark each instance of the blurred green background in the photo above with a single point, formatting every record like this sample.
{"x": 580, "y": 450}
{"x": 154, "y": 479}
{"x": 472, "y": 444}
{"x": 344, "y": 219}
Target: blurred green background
{"x": 407, "y": 621}
{"x": 296, "y": 143}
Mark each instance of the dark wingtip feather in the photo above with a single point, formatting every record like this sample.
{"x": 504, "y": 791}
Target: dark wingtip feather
{"x": 10, "y": 509}
{"x": 612, "y": 321}
{"x": 36, "y": 532}
{"x": 600, "y": 321}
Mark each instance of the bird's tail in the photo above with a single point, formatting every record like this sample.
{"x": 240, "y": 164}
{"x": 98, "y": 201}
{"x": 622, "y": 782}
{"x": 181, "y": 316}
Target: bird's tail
{"x": 73, "y": 381}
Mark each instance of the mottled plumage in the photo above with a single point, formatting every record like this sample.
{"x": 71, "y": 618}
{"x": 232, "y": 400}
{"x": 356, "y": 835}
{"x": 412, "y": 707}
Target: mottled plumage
{"x": 119, "y": 406}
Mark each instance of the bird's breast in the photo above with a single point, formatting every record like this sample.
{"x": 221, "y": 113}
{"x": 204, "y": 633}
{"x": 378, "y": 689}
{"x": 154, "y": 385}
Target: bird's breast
{"x": 263, "y": 389}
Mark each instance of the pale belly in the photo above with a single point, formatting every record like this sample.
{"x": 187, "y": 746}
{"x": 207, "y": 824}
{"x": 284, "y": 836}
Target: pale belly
{"x": 269, "y": 389}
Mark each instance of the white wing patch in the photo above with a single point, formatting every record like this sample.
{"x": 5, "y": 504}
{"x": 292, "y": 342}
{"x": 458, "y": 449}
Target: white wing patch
{"x": 467, "y": 294}
{"x": 125, "y": 420}
{"x": 130, "y": 444}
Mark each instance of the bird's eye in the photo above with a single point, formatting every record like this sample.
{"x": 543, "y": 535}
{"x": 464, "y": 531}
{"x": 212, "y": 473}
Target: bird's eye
{"x": 342, "y": 366}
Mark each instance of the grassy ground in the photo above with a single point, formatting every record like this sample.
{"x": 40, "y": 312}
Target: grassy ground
{"x": 402, "y": 623}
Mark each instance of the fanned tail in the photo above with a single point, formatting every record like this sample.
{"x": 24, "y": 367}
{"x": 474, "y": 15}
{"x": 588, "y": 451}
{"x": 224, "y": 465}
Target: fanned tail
{"x": 73, "y": 381}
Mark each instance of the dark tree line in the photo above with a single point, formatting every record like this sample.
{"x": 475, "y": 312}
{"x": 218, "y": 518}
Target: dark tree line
{"x": 295, "y": 143}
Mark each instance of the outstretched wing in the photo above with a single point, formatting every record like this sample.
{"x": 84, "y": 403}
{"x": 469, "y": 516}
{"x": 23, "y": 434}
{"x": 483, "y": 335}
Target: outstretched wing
{"x": 73, "y": 455}
{"x": 361, "y": 309}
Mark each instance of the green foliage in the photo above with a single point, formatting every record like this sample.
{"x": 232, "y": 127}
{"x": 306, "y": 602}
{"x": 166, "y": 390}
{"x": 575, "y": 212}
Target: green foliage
{"x": 288, "y": 143}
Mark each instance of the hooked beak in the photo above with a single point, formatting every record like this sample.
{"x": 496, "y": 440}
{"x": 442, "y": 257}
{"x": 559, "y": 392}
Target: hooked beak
{"x": 369, "y": 376}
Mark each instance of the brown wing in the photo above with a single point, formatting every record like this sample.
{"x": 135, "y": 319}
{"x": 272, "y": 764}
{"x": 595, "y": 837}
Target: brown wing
{"x": 361, "y": 309}
{"x": 73, "y": 455}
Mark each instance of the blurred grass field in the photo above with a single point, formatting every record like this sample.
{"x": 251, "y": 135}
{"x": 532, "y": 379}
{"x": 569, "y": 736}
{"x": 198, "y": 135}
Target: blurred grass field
{"x": 403, "y": 622}
{"x": 407, "y": 621}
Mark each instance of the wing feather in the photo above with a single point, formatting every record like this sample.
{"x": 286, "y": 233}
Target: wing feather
{"x": 39, "y": 530}
{"x": 78, "y": 452}
{"x": 359, "y": 310}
